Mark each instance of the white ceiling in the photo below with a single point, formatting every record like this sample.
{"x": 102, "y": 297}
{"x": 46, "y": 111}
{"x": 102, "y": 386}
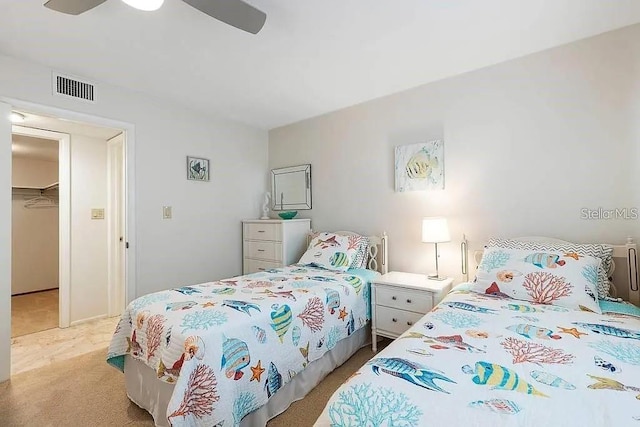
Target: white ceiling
{"x": 47, "y": 149}
{"x": 312, "y": 56}
{"x": 67, "y": 126}
{"x": 34, "y": 148}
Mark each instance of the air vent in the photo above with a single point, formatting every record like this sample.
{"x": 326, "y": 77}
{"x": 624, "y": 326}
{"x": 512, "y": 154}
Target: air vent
{"x": 71, "y": 87}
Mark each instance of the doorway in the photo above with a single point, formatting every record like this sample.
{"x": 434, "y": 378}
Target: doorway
{"x": 89, "y": 199}
{"x": 34, "y": 234}
{"x": 6, "y": 107}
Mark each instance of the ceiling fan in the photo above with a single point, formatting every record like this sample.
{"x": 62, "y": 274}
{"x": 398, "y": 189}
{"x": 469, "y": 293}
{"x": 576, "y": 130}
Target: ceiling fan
{"x": 236, "y": 13}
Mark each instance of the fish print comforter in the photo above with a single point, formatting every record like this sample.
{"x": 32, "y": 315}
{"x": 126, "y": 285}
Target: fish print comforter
{"x": 482, "y": 361}
{"x": 230, "y": 345}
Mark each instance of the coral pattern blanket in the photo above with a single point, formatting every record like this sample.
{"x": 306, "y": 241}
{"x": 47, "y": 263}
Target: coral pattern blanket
{"x": 478, "y": 360}
{"x": 230, "y": 345}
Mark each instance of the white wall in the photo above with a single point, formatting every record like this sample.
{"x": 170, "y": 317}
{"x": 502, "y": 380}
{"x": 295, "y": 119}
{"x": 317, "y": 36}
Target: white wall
{"x": 88, "y": 294}
{"x": 29, "y": 172}
{"x": 203, "y": 240}
{"x": 34, "y": 232}
{"x": 528, "y": 143}
{"x": 5, "y": 245}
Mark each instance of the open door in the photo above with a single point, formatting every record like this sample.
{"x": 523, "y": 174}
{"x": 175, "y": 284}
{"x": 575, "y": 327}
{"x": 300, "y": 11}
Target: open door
{"x": 5, "y": 242}
{"x": 116, "y": 225}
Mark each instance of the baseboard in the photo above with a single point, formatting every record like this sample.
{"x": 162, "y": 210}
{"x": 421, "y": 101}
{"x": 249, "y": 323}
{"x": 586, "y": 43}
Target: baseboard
{"x": 88, "y": 319}
{"x": 35, "y": 292}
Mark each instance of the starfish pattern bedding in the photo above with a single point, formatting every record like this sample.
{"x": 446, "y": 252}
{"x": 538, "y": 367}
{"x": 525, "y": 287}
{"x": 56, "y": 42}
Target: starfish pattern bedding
{"x": 229, "y": 345}
{"x": 480, "y": 360}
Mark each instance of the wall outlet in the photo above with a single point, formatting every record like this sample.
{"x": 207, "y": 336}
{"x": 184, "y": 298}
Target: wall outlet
{"x": 166, "y": 212}
{"x": 97, "y": 213}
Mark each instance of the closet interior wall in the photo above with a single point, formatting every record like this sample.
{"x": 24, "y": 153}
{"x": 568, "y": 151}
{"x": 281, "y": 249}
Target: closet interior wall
{"x": 34, "y": 262}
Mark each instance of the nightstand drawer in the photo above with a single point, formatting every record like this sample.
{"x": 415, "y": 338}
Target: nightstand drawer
{"x": 257, "y": 231}
{"x": 263, "y": 250}
{"x": 394, "y": 320}
{"x": 256, "y": 265}
{"x": 419, "y": 302}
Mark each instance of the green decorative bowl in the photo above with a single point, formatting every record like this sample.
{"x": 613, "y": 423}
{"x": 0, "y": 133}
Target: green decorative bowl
{"x": 287, "y": 214}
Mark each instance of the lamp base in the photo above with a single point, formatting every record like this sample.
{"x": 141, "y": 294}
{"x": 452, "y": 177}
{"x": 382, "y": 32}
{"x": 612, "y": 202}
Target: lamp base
{"x": 435, "y": 277}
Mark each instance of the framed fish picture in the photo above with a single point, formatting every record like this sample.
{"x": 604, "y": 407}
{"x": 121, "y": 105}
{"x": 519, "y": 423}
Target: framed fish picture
{"x": 420, "y": 166}
{"x": 197, "y": 169}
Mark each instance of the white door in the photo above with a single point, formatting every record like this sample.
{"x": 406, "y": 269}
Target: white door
{"x": 116, "y": 225}
{"x": 5, "y": 242}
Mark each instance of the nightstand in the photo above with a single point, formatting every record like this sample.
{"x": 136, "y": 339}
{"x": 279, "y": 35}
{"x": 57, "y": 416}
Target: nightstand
{"x": 398, "y": 300}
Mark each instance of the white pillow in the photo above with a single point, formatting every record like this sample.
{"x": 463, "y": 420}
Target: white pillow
{"x": 331, "y": 251}
{"x": 545, "y": 277}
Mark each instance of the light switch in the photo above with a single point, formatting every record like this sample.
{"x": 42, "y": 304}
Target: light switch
{"x": 166, "y": 212}
{"x": 97, "y": 213}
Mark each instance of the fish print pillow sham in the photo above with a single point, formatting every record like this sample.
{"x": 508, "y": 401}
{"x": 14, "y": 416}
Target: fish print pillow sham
{"x": 481, "y": 360}
{"x": 228, "y": 346}
{"x": 362, "y": 248}
{"x": 331, "y": 251}
{"x": 565, "y": 279}
{"x": 600, "y": 251}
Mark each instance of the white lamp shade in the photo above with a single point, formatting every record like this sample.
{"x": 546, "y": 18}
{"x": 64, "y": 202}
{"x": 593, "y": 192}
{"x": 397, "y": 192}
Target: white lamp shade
{"x": 435, "y": 230}
{"x": 146, "y": 5}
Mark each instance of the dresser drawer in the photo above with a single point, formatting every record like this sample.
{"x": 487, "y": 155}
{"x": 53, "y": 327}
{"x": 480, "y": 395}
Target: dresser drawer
{"x": 419, "y": 302}
{"x": 263, "y": 249}
{"x": 257, "y": 231}
{"x": 256, "y": 265}
{"x": 394, "y": 320}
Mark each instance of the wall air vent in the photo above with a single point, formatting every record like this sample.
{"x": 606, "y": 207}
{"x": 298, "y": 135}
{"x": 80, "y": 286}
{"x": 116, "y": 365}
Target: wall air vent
{"x": 72, "y": 87}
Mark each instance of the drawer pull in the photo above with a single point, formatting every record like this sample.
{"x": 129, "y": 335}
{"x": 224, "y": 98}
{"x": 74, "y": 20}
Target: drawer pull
{"x": 394, "y": 298}
{"x": 409, "y": 323}
{"x": 260, "y": 268}
{"x": 260, "y": 250}
{"x": 408, "y": 301}
{"x": 394, "y": 320}
{"x": 260, "y": 231}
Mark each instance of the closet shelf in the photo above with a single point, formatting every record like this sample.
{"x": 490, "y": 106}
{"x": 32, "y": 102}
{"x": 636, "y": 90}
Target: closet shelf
{"x": 53, "y": 186}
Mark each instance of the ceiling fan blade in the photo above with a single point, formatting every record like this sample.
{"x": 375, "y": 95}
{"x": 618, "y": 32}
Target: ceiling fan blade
{"x": 236, "y": 13}
{"x": 72, "y": 7}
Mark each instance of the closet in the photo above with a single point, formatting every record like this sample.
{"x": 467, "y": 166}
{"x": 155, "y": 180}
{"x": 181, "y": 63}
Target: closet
{"x": 35, "y": 237}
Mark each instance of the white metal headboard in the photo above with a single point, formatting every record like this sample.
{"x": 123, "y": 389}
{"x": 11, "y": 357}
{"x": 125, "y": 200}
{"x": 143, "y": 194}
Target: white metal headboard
{"x": 625, "y": 280}
{"x": 378, "y": 249}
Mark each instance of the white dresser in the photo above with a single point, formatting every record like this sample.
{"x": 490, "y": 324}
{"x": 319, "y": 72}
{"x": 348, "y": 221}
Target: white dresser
{"x": 273, "y": 243}
{"x": 398, "y": 300}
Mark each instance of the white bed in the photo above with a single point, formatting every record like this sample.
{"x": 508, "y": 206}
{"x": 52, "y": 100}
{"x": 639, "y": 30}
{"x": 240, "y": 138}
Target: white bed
{"x": 147, "y": 391}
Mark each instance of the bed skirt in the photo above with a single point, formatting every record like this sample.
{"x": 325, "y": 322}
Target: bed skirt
{"x": 145, "y": 390}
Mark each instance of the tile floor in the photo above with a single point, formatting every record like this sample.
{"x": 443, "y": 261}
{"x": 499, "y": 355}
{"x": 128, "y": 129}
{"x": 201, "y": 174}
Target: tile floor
{"x": 42, "y": 348}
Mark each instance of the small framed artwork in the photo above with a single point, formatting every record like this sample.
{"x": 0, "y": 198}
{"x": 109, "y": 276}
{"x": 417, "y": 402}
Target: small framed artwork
{"x": 197, "y": 168}
{"x": 420, "y": 166}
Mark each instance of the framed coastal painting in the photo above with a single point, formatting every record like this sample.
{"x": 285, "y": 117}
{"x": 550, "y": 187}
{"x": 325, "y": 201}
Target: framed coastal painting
{"x": 420, "y": 166}
{"x": 197, "y": 168}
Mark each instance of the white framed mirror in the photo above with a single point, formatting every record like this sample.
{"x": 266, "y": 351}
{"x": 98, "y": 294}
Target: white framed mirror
{"x": 291, "y": 188}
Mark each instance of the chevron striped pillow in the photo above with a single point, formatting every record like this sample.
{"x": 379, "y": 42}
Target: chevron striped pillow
{"x": 604, "y": 252}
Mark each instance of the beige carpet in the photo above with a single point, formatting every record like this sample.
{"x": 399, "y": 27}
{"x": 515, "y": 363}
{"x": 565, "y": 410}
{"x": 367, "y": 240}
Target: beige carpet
{"x": 85, "y": 391}
{"x": 34, "y": 312}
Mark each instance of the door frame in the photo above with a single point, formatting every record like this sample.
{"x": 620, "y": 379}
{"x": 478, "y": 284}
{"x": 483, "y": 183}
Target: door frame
{"x": 64, "y": 213}
{"x": 116, "y": 241}
{"x": 129, "y": 175}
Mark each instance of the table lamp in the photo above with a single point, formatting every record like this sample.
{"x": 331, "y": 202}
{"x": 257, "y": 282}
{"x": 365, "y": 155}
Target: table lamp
{"x": 435, "y": 230}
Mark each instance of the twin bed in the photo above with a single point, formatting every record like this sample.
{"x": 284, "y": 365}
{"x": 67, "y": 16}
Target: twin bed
{"x": 484, "y": 358}
{"x": 239, "y": 351}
